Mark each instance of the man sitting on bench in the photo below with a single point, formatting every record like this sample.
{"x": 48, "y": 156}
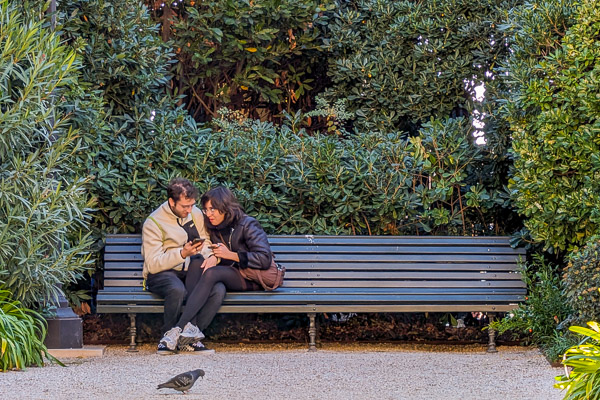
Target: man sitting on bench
{"x": 173, "y": 237}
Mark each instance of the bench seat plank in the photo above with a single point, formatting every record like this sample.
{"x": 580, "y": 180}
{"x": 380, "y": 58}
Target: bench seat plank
{"x": 361, "y": 258}
{"x": 351, "y": 266}
{"x": 392, "y": 249}
{"x": 371, "y": 275}
{"x": 348, "y": 299}
{"x": 113, "y": 239}
{"x": 350, "y": 284}
{"x": 364, "y": 290}
{"x": 305, "y": 295}
{"x": 337, "y": 308}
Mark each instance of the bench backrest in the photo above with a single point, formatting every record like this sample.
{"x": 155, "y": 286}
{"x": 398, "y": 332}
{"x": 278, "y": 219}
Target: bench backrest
{"x": 362, "y": 261}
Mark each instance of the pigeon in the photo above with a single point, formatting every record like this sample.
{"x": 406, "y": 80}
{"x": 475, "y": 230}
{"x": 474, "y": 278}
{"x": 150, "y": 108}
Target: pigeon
{"x": 183, "y": 382}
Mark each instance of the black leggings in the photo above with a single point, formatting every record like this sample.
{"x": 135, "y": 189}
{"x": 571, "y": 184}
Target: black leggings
{"x": 201, "y": 283}
{"x": 194, "y": 272}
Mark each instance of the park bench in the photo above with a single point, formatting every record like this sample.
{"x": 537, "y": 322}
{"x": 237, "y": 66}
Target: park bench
{"x": 343, "y": 274}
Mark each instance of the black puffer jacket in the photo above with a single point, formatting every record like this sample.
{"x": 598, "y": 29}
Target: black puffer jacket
{"x": 248, "y": 239}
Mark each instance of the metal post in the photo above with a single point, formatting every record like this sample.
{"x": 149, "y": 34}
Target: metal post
{"x": 492, "y": 335}
{"x": 312, "y": 333}
{"x": 132, "y": 334}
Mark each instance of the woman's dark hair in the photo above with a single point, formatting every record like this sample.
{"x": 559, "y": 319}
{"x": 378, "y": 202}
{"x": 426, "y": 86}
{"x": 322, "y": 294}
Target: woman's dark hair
{"x": 181, "y": 187}
{"x": 222, "y": 199}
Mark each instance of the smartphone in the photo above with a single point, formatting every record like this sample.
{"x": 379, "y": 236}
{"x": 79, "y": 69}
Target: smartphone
{"x": 197, "y": 241}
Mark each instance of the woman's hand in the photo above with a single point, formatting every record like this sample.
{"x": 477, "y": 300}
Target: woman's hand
{"x": 209, "y": 262}
{"x": 221, "y": 251}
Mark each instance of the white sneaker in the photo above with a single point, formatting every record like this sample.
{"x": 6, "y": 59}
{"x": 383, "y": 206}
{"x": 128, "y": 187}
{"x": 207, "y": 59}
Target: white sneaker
{"x": 190, "y": 334}
{"x": 171, "y": 338}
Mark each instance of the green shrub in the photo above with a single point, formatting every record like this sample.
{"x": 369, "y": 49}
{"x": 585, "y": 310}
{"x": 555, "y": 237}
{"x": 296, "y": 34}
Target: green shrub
{"x": 555, "y": 347}
{"x": 369, "y": 183}
{"x": 583, "y": 381}
{"x": 44, "y": 209}
{"x": 262, "y": 56}
{"x": 552, "y": 109}
{"x": 136, "y": 138}
{"x": 22, "y": 334}
{"x": 582, "y": 281}
{"x": 123, "y": 57}
{"x": 400, "y": 63}
{"x": 544, "y": 307}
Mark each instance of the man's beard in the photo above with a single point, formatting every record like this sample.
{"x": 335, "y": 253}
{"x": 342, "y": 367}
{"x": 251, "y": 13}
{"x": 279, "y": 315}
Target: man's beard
{"x": 176, "y": 213}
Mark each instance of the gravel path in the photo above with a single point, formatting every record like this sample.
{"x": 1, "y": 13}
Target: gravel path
{"x": 289, "y": 372}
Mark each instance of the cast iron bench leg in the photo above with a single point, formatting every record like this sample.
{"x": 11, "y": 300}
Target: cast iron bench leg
{"x": 492, "y": 335}
{"x": 132, "y": 334}
{"x": 312, "y": 333}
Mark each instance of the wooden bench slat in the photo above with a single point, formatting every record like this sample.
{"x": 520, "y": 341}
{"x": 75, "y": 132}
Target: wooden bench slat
{"x": 372, "y": 249}
{"x": 377, "y": 299}
{"x": 399, "y": 284}
{"x": 392, "y": 249}
{"x": 123, "y": 257}
{"x": 323, "y": 240}
{"x": 344, "y": 300}
{"x": 398, "y": 266}
{"x": 373, "y": 258}
{"x": 325, "y": 308}
{"x": 123, "y": 282}
{"x": 358, "y": 249}
{"x": 123, "y": 265}
{"x": 125, "y": 290}
{"x": 361, "y": 258}
{"x": 324, "y": 297}
{"x": 390, "y": 240}
{"x": 351, "y": 284}
{"x": 293, "y": 266}
{"x": 359, "y": 275}
{"x": 123, "y": 293}
{"x": 385, "y": 275}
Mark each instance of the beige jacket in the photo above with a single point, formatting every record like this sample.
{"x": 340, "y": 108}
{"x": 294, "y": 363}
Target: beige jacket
{"x": 163, "y": 239}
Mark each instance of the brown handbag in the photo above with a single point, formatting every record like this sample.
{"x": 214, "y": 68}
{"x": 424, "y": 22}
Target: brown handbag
{"x": 269, "y": 279}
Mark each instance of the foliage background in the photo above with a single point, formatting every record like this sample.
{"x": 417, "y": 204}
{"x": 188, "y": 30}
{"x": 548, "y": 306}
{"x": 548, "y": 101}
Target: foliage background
{"x": 260, "y": 56}
{"x": 134, "y": 128}
{"x": 581, "y": 278}
{"x": 44, "y": 208}
{"x": 399, "y": 63}
{"x": 367, "y": 183}
{"x": 552, "y": 107}
{"x": 386, "y": 182}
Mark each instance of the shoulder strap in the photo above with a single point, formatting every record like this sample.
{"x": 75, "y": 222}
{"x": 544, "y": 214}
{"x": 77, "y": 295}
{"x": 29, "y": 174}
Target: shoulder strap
{"x": 195, "y": 224}
{"x": 162, "y": 231}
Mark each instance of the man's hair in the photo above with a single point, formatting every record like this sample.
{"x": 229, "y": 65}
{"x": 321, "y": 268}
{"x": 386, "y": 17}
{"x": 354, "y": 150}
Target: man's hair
{"x": 222, "y": 199}
{"x": 181, "y": 187}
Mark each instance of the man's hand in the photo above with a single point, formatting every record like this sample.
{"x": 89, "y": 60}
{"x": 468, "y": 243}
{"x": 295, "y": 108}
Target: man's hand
{"x": 190, "y": 249}
{"x": 209, "y": 263}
